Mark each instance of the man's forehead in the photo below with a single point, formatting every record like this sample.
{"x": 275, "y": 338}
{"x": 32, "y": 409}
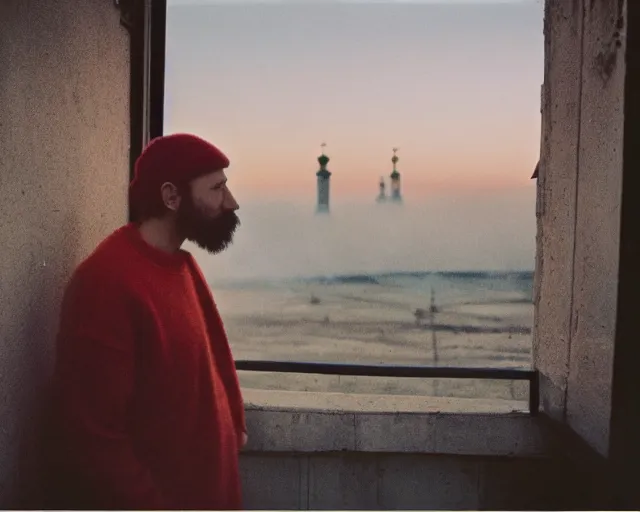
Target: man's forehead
{"x": 214, "y": 177}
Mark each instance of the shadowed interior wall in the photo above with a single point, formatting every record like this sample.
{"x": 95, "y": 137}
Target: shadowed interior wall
{"x": 64, "y": 166}
{"x": 401, "y": 481}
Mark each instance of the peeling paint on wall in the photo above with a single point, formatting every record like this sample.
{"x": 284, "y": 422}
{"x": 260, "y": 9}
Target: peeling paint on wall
{"x": 606, "y": 59}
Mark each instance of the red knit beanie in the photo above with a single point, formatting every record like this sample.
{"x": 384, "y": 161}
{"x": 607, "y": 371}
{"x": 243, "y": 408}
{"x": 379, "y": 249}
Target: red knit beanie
{"x": 177, "y": 158}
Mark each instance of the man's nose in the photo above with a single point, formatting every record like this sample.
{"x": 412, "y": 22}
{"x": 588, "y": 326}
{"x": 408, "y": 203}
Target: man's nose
{"x": 230, "y": 202}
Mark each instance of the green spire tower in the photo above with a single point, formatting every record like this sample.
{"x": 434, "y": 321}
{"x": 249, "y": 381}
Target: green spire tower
{"x": 323, "y": 182}
{"x": 396, "y": 195}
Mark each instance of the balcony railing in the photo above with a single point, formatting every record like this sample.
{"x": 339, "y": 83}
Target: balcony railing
{"x": 406, "y": 371}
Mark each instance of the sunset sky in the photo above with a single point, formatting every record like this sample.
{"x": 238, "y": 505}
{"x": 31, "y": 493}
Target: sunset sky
{"x": 454, "y": 85}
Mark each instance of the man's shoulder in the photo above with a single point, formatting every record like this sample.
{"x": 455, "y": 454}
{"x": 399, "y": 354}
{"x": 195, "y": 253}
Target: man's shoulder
{"x": 110, "y": 264}
{"x": 101, "y": 292}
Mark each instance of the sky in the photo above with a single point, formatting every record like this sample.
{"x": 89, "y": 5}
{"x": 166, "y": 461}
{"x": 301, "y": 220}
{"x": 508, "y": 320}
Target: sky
{"x": 455, "y": 85}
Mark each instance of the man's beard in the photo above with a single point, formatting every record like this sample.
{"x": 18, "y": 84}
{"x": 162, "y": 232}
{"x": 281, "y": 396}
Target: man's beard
{"x": 213, "y": 234}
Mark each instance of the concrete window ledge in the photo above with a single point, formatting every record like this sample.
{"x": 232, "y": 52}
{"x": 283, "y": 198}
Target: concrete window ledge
{"x": 309, "y": 422}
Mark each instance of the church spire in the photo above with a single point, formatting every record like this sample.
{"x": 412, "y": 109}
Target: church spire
{"x": 382, "y": 195}
{"x": 396, "y": 195}
{"x": 323, "y": 176}
{"x": 323, "y": 159}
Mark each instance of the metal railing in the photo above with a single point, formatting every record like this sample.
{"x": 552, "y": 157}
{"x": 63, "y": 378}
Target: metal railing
{"x": 404, "y": 371}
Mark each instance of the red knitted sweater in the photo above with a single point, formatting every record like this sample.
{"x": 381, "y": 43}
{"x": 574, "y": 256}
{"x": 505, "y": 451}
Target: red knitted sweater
{"x": 146, "y": 397}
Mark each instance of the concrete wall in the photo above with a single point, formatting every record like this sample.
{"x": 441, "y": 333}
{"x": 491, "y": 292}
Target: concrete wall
{"x": 579, "y": 212}
{"x": 64, "y": 150}
{"x": 341, "y": 452}
{"x": 399, "y": 481}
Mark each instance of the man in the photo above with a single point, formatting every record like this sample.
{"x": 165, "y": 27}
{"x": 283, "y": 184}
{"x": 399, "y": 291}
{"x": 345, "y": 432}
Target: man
{"x": 147, "y": 405}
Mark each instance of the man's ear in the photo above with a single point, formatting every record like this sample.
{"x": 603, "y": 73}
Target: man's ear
{"x": 170, "y": 196}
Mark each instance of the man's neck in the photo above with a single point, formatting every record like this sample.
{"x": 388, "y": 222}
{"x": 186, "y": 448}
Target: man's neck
{"x": 161, "y": 234}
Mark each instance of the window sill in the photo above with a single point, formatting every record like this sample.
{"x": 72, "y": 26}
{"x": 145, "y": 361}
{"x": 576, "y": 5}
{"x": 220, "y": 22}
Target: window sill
{"x": 292, "y": 421}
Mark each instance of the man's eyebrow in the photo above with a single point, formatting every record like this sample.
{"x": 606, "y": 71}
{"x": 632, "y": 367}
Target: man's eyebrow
{"x": 220, "y": 183}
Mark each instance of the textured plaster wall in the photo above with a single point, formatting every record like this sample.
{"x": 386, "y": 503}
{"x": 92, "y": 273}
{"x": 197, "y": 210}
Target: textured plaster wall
{"x": 579, "y": 195}
{"x": 64, "y": 145}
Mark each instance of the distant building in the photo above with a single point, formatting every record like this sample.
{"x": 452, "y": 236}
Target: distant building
{"x": 323, "y": 183}
{"x": 382, "y": 195}
{"x": 396, "y": 195}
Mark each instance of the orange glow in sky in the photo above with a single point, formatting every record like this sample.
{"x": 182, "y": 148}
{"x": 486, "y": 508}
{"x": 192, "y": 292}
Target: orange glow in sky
{"x": 455, "y": 87}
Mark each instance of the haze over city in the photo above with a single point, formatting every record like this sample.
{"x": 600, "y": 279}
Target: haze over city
{"x": 456, "y": 86}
